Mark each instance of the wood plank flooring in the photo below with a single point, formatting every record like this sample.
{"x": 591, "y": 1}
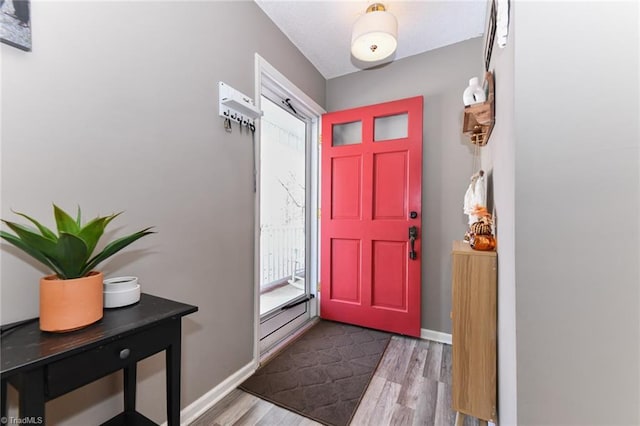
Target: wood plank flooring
{"x": 411, "y": 386}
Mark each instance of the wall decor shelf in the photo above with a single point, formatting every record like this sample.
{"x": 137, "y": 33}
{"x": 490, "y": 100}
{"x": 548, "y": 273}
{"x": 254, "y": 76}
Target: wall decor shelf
{"x": 479, "y": 118}
{"x": 234, "y": 105}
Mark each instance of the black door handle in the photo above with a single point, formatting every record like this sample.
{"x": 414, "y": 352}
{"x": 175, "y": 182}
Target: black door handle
{"x": 413, "y": 234}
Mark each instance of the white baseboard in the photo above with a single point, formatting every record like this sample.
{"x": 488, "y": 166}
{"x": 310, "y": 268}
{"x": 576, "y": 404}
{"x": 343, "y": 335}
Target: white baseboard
{"x": 436, "y": 336}
{"x": 198, "y": 407}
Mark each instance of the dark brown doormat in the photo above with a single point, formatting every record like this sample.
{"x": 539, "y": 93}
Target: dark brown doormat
{"x": 323, "y": 374}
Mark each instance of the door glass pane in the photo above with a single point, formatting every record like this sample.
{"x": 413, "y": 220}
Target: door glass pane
{"x": 347, "y": 133}
{"x": 282, "y": 207}
{"x": 391, "y": 127}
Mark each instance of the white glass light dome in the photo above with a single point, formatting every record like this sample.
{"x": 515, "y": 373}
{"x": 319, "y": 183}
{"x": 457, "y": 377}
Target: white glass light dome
{"x": 374, "y": 35}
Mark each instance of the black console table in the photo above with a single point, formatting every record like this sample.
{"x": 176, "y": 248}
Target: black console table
{"x": 43, "y": 366}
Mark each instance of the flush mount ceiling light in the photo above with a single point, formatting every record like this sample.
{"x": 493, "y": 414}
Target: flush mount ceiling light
{"x": 374, "y": 35}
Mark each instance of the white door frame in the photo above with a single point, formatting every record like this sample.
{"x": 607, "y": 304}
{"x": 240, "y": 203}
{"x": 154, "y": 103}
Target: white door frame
{"x": 263, "y": 72}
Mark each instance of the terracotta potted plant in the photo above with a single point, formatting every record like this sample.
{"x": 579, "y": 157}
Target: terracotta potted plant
{"x": 70, "y": 298}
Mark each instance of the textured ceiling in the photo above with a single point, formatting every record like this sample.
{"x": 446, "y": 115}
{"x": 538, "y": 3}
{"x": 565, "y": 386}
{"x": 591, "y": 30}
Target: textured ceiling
{"x": 322, "y": 29}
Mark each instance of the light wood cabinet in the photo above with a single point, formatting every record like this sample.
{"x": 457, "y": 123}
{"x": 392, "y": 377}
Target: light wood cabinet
{"x": 474, "y": 313}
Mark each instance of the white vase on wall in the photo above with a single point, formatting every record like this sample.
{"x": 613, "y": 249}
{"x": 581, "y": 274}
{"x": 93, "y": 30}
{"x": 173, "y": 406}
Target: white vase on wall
{"x": 473, "y": 94}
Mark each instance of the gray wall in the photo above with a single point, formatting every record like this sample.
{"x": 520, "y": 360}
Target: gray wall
{"x": 440, "y": 76}
{"x": 565, "y": 184}
{"x": 498, "y": 160}
{"x": 116, "y": 109}
{"x": 577, "y": 190}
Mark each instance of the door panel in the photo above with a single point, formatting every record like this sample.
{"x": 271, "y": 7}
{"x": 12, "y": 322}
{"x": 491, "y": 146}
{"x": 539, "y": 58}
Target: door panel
{"x": 346, "y": 195}
{"x": 389, "y": 289}
{"x": 369, "y": 276}
{"x": 389, "y": 185}
{"x": 345, "y": 255}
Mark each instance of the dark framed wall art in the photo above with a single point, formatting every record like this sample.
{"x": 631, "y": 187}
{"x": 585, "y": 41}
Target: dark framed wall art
{"x": 490, "y": 35}
{"x": 15, "y": 23}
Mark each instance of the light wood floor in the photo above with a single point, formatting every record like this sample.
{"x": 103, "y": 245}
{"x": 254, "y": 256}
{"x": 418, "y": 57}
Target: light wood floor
{"x": 411, "y": 386}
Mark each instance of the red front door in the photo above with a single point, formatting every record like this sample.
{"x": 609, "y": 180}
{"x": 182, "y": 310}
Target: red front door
{"x": 371, "y": 198}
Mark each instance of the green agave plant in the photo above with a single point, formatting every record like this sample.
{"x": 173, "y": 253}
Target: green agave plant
{"x": 68, "y": 254}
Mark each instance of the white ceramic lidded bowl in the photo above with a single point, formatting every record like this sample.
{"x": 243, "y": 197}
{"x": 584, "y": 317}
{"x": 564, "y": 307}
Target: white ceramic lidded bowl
{"x": 121, "y": 291}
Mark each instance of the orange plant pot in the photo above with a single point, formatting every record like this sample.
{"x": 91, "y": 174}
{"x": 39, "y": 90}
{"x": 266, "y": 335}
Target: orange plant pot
{"x": 67, "y": 305}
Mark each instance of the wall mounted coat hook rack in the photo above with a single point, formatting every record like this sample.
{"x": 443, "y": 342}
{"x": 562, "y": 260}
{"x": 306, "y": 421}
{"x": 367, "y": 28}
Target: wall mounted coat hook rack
{"x": 237, "y": 106}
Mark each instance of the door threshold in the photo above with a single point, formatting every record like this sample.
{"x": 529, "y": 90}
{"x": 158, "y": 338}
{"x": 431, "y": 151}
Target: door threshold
{"x": 282, "y": 344}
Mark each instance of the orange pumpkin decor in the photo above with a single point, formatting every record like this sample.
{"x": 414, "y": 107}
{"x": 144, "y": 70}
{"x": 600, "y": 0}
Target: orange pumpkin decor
{"x": 480, "y": 234}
